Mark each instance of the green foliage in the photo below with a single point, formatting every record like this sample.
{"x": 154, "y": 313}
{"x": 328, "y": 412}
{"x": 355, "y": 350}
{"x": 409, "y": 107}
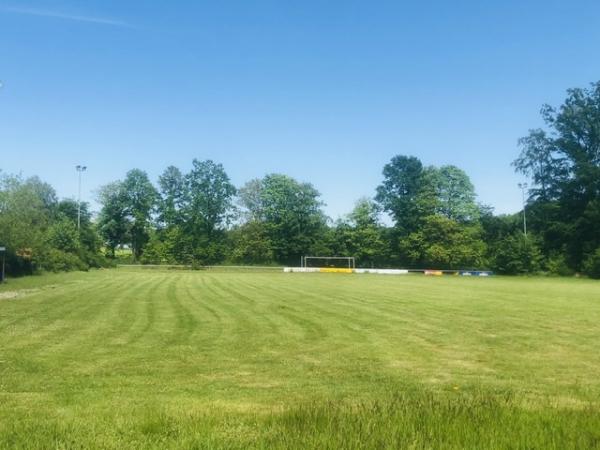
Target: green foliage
{"x": 40, "y": 232}
{"x": 591, "y": 266}
{"x": 210, "y": 195}
{"x": 455, "y": 194}
{"x": 517, "y": 254}
{"x": 206, "y": 211}
{"x": 139, "y": 200}
{"x": 113, "y": 224}
{"x": 541, "y": 160}
{"x": 63, "y": 235}
{"x": 361, "y": 235}
{"x": 556, "y": 264}
{"x": 251, "y": 244}
{"x": 400, "y": 190}
{"x": 435, "y": 215}
{"x": 290, "y": 211}
{"x": 564, "y": 165}
{"x": 25, "y": 213}
{"x": 89, "y": 239}
{"x": 443, "y": 243}
{"x": 498, "y": 227}
{"x": 155, "y": 251}
{"x": 54, "y": 260}
{"x": 172, "y": 196}
{"x": 126, "y": 214}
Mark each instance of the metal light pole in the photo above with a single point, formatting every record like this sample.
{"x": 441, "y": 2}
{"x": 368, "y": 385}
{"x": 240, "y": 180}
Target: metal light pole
{"x": 523, "y": 186}
{"x": 79, "y": 169}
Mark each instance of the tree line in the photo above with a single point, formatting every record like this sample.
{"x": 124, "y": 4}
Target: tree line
{"x": 201, "y": 218}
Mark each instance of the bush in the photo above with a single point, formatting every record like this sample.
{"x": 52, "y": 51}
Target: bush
{"x": 64, "y": 236}
{"x": 591, "y": 266}
{"x": 557, "y": 265}
{"x": 517, "y": 254}
{"x": 95, "y": 260}
{"x": 54, "y": 260}
{"x": 154, "y": 252}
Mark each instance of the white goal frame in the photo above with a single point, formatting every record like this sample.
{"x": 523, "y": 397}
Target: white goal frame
{"x": 351, "y": 260}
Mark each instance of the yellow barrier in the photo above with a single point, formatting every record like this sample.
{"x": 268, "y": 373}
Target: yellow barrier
{"x": 334, "y": 270}
{"x": 435, "y": 273}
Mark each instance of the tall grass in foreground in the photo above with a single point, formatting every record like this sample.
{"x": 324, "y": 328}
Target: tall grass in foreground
{"x": 404, "y": 420}
{"x": 424, "y": 420}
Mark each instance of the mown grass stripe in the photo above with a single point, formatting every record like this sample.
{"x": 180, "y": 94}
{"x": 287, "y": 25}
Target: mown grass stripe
{"x": 161, "y": 359}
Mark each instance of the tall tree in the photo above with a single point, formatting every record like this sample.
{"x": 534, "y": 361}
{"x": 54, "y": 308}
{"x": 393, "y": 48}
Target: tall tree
{"x": 564, "y": 163}
{"x": 26, "y": 212}
{"x": 140, "y": 198}
{"x": 208, "y": 209}
{"x": 172, "y": 196}
{"x": 291, "y": 212}
{"x": 361, "y": 234}
{"x": 455, "y": 194}
{"x": 67, "y": 209}
{"x": 113, "y": 223}
{"x": 399, "y": 192}
{"x": 250, "y": 199}
{"x": 445, "y": 244}
{"x": 541, "y": 160}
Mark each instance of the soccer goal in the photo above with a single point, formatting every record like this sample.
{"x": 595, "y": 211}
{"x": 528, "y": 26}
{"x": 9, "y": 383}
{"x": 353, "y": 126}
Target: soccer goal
{"x": 348, "y": 262}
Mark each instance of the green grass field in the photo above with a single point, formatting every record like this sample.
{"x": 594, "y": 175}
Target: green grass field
{"x": 146, "y": 358}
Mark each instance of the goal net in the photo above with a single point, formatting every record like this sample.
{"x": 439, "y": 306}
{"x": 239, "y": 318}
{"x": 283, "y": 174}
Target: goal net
{"x": 345, "y": 262}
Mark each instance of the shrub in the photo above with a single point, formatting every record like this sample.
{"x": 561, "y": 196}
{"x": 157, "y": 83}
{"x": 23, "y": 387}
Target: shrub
{"x": 55, "y": 260}
{"x": 154, "y": 252}
{"x": 517, "y": 254}
{"x": 95, "y": 260}
{"x": 557, "y": 265}
{"x": 64, "y": 236}
{"x": 591, "y": 266}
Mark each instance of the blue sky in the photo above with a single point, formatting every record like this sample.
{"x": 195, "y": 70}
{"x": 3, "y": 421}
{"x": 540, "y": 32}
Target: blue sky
{"x": 324, "y": 91}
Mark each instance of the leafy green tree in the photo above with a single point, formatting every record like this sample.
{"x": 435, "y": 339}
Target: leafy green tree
{"x": 455, "y": 194}
{"x": 89, "y": 239}
{"x": 444, "y": 243}
{"x": 517, "y": 254}
{"x": 140, "y": 199}
{"x": 564, "y": 164}
{"x": 36, "y": 229}
{"x": 291, "y": 212}
{"x": 178, "y": 245}
{"x": 62, "y": 235}
{"x": 591, "y": 265}
{"x": 26, "y": 211}
{"x": 113, "y": 223}
{"x": 155, "y": 250}
{"x": 400, "y": 191}
{"x": 251, "y": 244}
{"x": 208, "y": 209}
{"x": 250, "y": 198}
{"x": 361, "y": 235}
{"x": 172, "y": 196}
{"x": 541, "y": 160}
{"x": 496, "y": 227}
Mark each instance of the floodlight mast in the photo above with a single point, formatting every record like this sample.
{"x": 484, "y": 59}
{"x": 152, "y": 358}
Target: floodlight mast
{"x": 524, "y": 186}
{"x": 79, "y": 169}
